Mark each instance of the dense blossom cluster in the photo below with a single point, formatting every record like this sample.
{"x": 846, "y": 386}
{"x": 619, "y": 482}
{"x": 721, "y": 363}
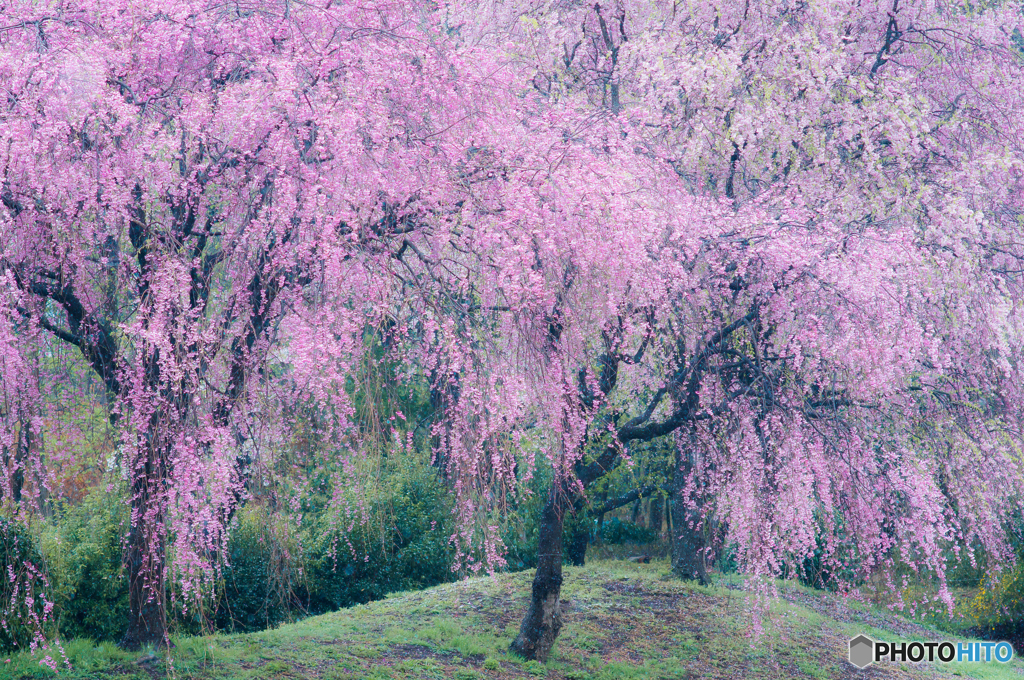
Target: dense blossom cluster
{"x": 788, "y": 236}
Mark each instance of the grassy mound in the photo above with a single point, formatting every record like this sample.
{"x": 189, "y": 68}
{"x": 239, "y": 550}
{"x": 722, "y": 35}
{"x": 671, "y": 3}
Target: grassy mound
{"x": 622, "y": 620}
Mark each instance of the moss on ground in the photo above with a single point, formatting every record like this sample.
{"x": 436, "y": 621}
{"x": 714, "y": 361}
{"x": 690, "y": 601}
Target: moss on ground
{"x": 622, "y": 621}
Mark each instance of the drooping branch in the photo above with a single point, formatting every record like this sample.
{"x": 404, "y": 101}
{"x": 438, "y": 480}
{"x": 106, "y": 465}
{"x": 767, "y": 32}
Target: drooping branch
{"x": 639, "y": 428}
{"x": 93, "y": 337}
{"x": 625, "y": 499}
{"x": 892, "y": 34}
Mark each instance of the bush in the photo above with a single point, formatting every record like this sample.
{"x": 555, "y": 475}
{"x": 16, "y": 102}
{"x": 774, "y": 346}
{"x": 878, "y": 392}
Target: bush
{"x": 997, "y": 611}
{"x": 83, "y": 554}
{"x": 23, "y": 606}
{"x": 841, "y": 570}
{"x": 522, "y": 528}
{"x": 400, "y": 543}
{"x": 260, "y": 581}
{"x": 616, "y": 532}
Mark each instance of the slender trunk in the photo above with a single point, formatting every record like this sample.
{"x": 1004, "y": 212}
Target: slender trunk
{"x": 544, "y": 618}
{"x": 654, "y": 514}
{"x": 688, "y": 544}
{"x": 145, "y": 558}
{"x": 39, "y": 479}
{"x": 579, "y": 539}
{"x": 34, "y": 458}
{"x": 15, "y": 464}
{"x": 668, "y": 516}
{"x": 444, "y": 395}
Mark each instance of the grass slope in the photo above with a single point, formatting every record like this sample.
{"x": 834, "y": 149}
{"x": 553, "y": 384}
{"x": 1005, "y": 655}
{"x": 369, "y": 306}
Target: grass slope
{"x": 622, "y": 620}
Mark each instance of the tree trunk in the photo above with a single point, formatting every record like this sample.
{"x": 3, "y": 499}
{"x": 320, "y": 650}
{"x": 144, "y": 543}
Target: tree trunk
{"x": 668, "y": 516}
{"x": 544, "y": 618}
{"x": 15, "y": 465}
{"x": 144, "y": 560}
{"x": 34, "y": 458}
{"x": 579, "y": 539}
{"x": 688, "y": 544}
{"x": 654, "y": 514}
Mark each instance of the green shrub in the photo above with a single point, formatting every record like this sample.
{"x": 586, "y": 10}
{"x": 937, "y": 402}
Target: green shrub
{"x": 399, "y": 543}
{"x": 260, "y": 579}
{"x": 999, "y": 606}
{"x": 615, "y": 532}
{"x": 997, "y": 610}
{"x": 23, "y": 616}
{"x": 83, "y": 553}
{"x": 815, "y": 572}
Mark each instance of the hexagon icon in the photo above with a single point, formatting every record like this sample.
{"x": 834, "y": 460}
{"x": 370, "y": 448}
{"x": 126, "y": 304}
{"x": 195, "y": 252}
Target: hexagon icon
{"x": 862, "y": 651}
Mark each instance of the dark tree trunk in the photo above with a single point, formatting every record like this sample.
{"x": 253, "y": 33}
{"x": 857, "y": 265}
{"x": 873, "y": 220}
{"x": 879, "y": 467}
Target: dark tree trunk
{"x": 635, "y": 515}
{"x": 654, "y": 514}
{"x": 579, "y": 539}
{"x": 599, "y": 511}
{"x": 688, "y": 544}
{"x": 16, "y": 465}
{"x": 146, "y": 625}
{"x": 668, "y": 517}
{"x": 144, "y": 559}
{"x": 544, "y": 618}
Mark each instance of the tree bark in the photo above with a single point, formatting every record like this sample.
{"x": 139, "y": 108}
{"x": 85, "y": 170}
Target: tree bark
{"x": 654, "y": 514}
{"x": 579, "y": 539}
{"x": 16, "y": 465}
{"x": 544, "y": 618}
{"x": 144, "y": 559}
{"x": 688, "y": 544}
{"x": 668, "y": 516}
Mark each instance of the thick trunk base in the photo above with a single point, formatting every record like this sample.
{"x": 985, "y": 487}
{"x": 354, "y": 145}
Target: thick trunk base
{"x": 145, "y": 628}
{"x": 688, "y": 552}
{"x": 689, "y": 547}
{"x": 544, "y": 618}
{"x": 146, "y": 617}
{"x": 145, "y": 564}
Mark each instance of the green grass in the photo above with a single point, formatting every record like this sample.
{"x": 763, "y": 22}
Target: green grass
{"x": 622, "y": 621}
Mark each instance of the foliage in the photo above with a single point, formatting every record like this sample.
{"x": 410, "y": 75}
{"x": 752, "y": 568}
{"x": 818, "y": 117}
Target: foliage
{"x": 24, "y": 608}
{"x": 83, "y": 548}
{"x": 998, "y": 606}
{"x": 997, "y": 609}
{"x": 400, "y": 539}
{"x": 262, "y": 577}
{"x": 784, "y": 239}
{"x": 522, "y": 521}
{"x": 266, "y": 579}
{"x": 616, "y": 531}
